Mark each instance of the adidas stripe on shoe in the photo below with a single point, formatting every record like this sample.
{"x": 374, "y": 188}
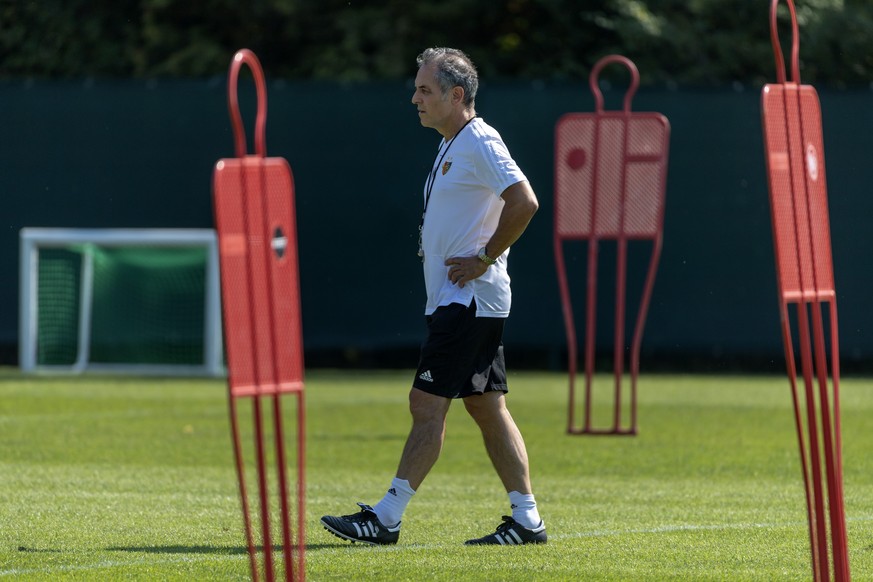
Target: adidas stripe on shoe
{"x": 362, "y": 527}
{"x": 512, "y": 533}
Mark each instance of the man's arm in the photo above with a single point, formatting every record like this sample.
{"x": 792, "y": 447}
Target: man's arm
{"x": 520, "y": 204}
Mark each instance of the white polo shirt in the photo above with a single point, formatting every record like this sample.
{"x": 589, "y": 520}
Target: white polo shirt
{"x": 462, "y": 214}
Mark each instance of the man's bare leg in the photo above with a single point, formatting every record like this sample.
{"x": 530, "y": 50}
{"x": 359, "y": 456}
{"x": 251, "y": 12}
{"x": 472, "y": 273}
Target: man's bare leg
{"x": 425, "y": 440}
{"x": 503, "y": 440}
{"x": 508, "y": 454}
{"x": 422, "y": 449}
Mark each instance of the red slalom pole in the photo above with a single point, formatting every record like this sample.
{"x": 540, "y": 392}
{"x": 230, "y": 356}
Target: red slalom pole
{"x": 253, "y": 198}
{"x": 794, "y": 151}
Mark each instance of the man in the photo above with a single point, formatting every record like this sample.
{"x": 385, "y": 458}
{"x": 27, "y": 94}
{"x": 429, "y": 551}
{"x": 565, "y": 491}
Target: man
{"x": 477, "y": 202}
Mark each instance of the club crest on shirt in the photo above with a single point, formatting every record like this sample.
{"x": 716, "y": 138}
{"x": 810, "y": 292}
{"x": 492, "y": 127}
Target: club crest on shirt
{"x": 446, "y": 167}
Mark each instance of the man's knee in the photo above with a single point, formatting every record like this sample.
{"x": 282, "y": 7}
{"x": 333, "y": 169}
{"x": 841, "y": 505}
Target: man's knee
{"x": 426, "y": 407}
{"x": 483, "y": 407}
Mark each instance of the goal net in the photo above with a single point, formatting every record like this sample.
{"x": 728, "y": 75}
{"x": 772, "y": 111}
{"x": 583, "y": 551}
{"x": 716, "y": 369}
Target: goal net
{"x": 127, "y": 301}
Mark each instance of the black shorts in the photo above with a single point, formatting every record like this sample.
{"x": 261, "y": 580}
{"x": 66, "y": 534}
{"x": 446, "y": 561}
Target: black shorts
{"x": 462, "y": 355}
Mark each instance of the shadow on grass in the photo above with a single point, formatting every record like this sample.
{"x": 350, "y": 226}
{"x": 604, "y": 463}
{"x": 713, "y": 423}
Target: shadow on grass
{"x": 358, "y": 438}
{"x": 177, "y": 549}
{"x": 39, "y": 550}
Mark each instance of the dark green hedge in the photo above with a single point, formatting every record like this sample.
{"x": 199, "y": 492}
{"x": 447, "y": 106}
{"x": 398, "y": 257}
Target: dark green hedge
{"x": 700, "y": 42}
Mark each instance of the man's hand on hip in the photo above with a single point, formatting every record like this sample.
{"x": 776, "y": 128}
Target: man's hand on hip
{"x": 462, "y": 270}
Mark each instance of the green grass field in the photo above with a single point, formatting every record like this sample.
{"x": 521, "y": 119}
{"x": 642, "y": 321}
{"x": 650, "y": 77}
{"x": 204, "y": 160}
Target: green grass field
{"x": 131, "y": 478}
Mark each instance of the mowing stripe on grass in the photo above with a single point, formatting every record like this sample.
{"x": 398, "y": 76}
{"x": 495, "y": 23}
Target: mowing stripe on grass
{"x": 117, "y": 564}
{"x": 692, "y": 527}
{"x": 666, "y": 529}
{"x": 585, "y": 534}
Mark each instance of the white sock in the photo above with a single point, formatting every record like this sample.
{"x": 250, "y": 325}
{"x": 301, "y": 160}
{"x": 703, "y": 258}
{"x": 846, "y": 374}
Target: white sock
{"x": 524, "y": 509}
{"x": 390, "y": 509}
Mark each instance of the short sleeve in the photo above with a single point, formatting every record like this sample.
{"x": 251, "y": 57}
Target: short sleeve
{"x": 495, "y": 166}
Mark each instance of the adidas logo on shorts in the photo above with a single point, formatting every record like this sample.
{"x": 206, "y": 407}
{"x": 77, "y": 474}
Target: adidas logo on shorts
{"x": 426, "y": 376}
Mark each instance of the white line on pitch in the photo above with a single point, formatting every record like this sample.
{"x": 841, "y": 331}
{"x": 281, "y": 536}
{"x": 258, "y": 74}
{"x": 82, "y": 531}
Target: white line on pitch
{"x": 116, "y": 564}
{"x": 692, "y": 527}
{"x": 583, "y": 534}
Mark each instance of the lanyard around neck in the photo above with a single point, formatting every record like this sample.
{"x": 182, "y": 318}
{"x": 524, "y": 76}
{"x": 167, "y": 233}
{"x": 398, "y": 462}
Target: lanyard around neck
{"x": 432, "y": 176}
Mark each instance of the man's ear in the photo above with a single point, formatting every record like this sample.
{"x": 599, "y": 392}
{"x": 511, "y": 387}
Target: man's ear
{"x": 458, "y": 94}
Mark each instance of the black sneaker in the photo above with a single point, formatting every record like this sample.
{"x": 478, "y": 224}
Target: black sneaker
{"x": 512, "y": 533}
{"x": 362, "y": 527}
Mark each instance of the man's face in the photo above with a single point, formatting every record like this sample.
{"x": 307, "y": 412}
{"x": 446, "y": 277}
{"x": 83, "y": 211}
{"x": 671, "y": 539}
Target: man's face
{"x": 434, "y": 108}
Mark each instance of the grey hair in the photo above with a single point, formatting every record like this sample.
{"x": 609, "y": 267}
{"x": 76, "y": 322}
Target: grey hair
{"x": 453, "y": 69}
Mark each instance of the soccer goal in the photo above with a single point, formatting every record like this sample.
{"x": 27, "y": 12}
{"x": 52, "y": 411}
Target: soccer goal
{"x": 138, "y": 301}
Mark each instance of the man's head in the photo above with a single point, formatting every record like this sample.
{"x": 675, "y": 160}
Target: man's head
{"x": 445, "y": 89}
{"x": 452, "y": 68}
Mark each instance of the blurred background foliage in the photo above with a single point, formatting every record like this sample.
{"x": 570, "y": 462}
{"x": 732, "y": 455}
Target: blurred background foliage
{"x": 683, "y": 42}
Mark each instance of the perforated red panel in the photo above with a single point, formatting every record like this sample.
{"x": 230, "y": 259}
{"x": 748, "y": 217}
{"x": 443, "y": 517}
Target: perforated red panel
{"x": 610, "y": 183}
{"x": 798, "y": 191}
{"x": 794, "y": 155}
{"x": 610, "y": 175}
{"x": 254, "y": 208}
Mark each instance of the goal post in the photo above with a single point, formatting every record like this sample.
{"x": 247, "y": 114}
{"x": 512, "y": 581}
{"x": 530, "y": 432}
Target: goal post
{"x": 138, "y": 301}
